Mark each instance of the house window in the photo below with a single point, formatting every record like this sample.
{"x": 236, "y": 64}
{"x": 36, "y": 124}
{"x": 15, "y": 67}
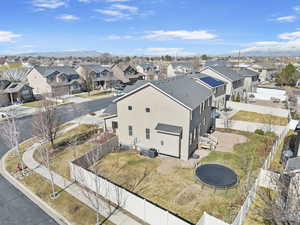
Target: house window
{"x": 114, "y": 125}
{"x": 130, "y": 130}
{"x": 161, "y": 143}
{"x": 147, "y": 109}
{"x": 130, "y": 107}
{"x": 147, "y": 133}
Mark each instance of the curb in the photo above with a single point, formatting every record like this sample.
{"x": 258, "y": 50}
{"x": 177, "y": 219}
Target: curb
{"x": 29, "y": 194}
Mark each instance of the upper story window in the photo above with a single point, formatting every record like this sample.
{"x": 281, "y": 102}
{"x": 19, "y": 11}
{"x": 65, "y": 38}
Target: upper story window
{"x": 130, "y": 107}
{"x": 147, "y": 110}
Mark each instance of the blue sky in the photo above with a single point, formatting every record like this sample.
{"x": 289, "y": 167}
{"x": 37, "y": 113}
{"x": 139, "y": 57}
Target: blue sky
{"x": 150, "y": 27}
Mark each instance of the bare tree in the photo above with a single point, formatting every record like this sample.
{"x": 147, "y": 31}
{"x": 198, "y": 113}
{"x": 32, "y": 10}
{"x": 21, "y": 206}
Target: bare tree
{"x": 46, "y": 126}
{"x": 46, "y": 122}
{"x": 280, "y": 205}
{"x": 102, "y": 193}
{"x": 11, "y": 135}
{"x": 88, "y": 80}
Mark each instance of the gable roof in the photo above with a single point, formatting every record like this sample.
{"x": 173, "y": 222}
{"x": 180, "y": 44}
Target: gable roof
{"x": 244, "y": 72}
{"x": 210, "y": 81}
{"x": 226, "y": 72}
{"x": 95, "y": 68}
{"x": 49, "y": 70}
{"x": 183, "y": 64}
{"x": 183, "y": 89}
{"x": 4, "y": 84}
{"x": 15, "y": 87}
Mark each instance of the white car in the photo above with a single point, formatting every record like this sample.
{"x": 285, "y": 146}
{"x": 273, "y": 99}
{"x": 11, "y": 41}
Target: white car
{"x": 119, "y": 93}
{"x": 3, "y": 115}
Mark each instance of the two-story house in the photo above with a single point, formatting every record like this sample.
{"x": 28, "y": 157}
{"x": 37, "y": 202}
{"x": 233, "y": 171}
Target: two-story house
{"x": 169, "y": 115}
{"x": 251, "y": 79}
{"x": 179, "y": 68}
{"x": 150, "y": 70}
{"x": 217, "y": 87}
{"x": 54, "y": 80}
{"x": 12, "y": 92}
{"x": 126, "y": 73}
{"x": 235, "y": 82}
{"x": 102, "y": 77}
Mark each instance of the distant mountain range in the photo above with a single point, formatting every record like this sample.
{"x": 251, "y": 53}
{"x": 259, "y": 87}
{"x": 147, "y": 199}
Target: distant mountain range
{"x": 63, "y": 54}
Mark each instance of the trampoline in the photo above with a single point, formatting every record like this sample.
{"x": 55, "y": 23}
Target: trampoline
{"x": 217, "y": 176}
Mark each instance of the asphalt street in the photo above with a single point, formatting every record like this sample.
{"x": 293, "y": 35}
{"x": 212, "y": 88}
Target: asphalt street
{"x": 16, "y": 208}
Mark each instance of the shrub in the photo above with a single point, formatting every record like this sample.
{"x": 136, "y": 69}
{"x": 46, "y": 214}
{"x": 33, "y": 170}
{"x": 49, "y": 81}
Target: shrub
{"x": 259, "y": 132}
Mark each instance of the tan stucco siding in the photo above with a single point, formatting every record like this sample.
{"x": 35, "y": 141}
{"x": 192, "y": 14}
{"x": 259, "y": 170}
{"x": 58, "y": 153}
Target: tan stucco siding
{"x": 38, "y": 83}
{"x": 162, "y": 110}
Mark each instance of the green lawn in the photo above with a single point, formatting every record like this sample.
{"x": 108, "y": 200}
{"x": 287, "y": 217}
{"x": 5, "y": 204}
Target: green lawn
{"x": 168, "y": 183}
{"x": 260, "y": 118}
{"x": 96, "y": 94}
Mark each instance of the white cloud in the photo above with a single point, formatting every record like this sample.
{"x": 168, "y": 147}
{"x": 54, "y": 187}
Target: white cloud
{"x": 289, "y": 46}
{"x": 132, "y": 9}
{"x": 49, "y": 4}
{"x": 118, "y": 37}
{"x": 289, "y": 36}
{"x": 68, "y": 17}
{"x": 296, "y": 8}
{"x": 265, "y": 43}
{"x": 167, "y": 51}
{"x": 7, "y": 36}
{"x": 285, "y": 19}
{"x": 180, "y": 34}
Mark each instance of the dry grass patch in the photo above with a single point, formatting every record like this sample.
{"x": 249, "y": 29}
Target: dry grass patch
{"x": 72, "y": 209}
{"x": 96, "y": 94}
{"x": 259, "y": 118}
{"x": 69, "y": 146}
{"x": 174, "y": 187}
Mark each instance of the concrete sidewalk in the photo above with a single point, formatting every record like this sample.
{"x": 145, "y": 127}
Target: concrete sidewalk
{"x": 118, "y": 218}
{"x": 21, "y": 111}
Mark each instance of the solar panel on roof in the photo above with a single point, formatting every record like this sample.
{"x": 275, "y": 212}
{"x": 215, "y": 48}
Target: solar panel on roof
{"x": 211, "y": 81}
{"x": 13, "y": 86}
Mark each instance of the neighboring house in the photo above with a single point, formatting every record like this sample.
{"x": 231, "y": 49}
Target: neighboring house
{"x": 126, "y": 73}
{"x": 11, "y": 92}
{"x": 218, "y": 89}
{"x": 54, "y": 80}
{"x": 235, "y": 82}
{"x": 169, "y": 115}
{"x": 251, "y": 79}
{"x": 102, "y": 77}
{"x": 179, "y": 68}
{"x": 150, "y": 70}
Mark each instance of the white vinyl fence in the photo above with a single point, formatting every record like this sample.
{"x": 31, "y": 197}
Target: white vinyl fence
{"x": 244, "y": 209}
{"x": 258, "y": 109}
{"x": 136, "y": 205}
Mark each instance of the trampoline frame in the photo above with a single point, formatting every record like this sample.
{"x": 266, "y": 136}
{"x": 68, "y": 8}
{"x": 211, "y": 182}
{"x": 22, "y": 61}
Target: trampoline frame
{"x": 212, "y": 186}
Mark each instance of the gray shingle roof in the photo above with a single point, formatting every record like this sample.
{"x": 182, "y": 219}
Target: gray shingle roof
{"x": 48, "y": 70}
{"x": 168, "y": 128}
{"x": 227, "y": 72}
{"x": 247, "y": 73}
{"x": 111, "y": 109}
{"x": 183, "y": 88}
{"x": 95, "y": 68}
{"x": 15, "y": 87}
{"x": 293, "y": 165}
{"x": 183, "y": 64}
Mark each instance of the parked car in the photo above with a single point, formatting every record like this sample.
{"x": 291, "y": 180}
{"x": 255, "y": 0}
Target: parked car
{"x": 3, "y": 115}
{"x": 151, "y": 153}
{"x": 119, "y": 93}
